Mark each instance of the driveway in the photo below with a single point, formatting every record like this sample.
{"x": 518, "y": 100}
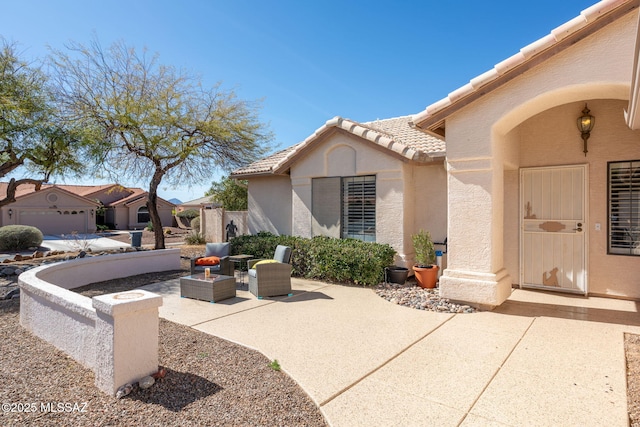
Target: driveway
{"x": 72, "y": 243}
{"x": 539, "y": 359}
{"x": 80, "y": 242}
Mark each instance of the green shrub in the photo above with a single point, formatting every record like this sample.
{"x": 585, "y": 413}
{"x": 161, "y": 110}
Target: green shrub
{"x": 195, "y": 238}
{"x": 149, "y": 226}
{"x": 19, "y": 237}
{"x": 189, "y": 213}
{"x": 195, "y": 223}
{"x": 323, "y": 258}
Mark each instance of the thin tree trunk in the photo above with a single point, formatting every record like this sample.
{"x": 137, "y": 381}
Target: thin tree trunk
{"x": 152, "y": 205}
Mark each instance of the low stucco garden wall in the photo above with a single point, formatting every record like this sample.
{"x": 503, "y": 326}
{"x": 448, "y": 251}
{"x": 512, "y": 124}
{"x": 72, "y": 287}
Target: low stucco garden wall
{"x": 116, "y": 335}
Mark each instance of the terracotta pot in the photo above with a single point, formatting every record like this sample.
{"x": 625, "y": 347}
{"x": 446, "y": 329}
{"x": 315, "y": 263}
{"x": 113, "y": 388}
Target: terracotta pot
{"x": 426, "y": 276}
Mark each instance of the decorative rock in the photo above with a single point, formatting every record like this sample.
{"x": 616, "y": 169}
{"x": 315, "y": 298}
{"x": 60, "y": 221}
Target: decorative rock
{"x": 146, "y": 382}
{"x": 412, "y": 296}
{"x": 82, "y": 254}
{"x": 14, "y": 293}
{"x": 18, "y": 257}
{"x": 7, "y": 271}
{"x": 160, "y": 374}
{"x": 123, "y": 391}
{"x": 18, "y": 271}
{"x": 38, "y": 254}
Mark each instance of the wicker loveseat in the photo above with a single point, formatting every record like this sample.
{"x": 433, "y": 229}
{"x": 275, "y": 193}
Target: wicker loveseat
{"x": 221, "y": 250}
{"x": 271, "y": 277}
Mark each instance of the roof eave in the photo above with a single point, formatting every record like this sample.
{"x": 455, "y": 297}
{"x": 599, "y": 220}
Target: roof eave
{"x": 260, "y": 174}
{"x": 632, "y": 113}
{"x": 432, "y": 119}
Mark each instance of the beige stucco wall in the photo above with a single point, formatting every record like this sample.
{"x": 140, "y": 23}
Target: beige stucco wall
{"x": 269, "y": 205}
{"x": 554, "y": 131}
{"x": 83, "y": 220}
{"x": 213, "y": 223}
{"x": 482, "y": 157}
{"x": 408, "y": 196}
{"x": 131, "y": 214}
{"x": 425, "y": 203}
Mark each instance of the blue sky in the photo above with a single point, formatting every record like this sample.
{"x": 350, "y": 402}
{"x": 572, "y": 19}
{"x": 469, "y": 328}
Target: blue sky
{"x": 308, "y": 61}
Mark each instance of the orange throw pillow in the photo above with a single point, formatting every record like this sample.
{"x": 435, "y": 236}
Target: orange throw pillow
{"x": 210, "y": 260}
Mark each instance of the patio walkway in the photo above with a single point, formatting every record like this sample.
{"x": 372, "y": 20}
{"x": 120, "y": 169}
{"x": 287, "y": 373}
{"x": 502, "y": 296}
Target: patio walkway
{"x": 539, "y": 359}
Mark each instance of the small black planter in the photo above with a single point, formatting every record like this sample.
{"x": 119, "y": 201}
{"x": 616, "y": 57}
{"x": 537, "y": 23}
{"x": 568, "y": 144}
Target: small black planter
{"x": 396, "y": 274}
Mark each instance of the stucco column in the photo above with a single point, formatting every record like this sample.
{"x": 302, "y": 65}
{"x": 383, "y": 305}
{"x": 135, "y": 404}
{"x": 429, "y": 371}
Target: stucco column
{"x": 127, "y": 348}
{"x": 475, "y": 270}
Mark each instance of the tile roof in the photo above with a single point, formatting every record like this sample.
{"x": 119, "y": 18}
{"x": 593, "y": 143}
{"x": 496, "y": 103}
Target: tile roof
{"x": 394, "y": 134}
{"x": 435, "y": 113}
{"x": 79, "y": 190}
{"x": 27, "y": 189}
{"x": 206, "y": 200}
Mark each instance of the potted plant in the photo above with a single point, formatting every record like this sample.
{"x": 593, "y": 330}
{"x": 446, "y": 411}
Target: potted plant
{"x": 425, "y": 269}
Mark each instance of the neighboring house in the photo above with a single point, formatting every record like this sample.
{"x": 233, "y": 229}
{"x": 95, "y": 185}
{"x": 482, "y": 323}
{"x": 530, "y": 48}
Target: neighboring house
{"x": 62, "y": 209}
{"x": 526, "y": 206}
{"x": 202, "y": 202}
{"x": 378, "y": 181}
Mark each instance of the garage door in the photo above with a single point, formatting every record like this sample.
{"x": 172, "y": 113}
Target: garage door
{"x": 54, "y": 221}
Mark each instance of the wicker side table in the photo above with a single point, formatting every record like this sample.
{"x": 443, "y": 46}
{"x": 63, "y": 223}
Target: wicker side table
{"x": 239, "y": 259}
{"x": 214, "y": 289}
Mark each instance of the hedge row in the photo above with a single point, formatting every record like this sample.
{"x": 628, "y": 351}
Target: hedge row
{"x": 323, "y": 258}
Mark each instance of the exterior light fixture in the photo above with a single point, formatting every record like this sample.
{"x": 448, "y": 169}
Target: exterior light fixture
{"x": 10, "y": 212}
{"x": 585, "y": 125}
{"x": 91, "y": 213}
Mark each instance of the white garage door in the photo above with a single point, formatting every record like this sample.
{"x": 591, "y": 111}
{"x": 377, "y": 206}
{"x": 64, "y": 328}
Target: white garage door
{"x": 54, "y": 221}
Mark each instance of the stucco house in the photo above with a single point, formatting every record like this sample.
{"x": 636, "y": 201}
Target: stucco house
{"x": 377, "y": 181}
{"x": 523, "y": 195}
{"x": 532, "y": 200}
{"x": 199, "y": 203}
{"x": 61, "y": 209}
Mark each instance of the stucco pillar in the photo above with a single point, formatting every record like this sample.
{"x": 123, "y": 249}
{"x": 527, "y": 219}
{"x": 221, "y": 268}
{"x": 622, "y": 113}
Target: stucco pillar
{"x": 127, "y": 348}
{"x": 475, "y": 272}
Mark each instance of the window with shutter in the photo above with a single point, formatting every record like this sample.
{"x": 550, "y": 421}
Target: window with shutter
{"x": 359, "y": 208}
{"x": 624, "y": 207}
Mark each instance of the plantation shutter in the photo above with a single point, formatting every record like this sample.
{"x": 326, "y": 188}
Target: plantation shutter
{"x": 359, "y": 208}
{"x": 325, "y": 207}
{"x": 624, "y": 208}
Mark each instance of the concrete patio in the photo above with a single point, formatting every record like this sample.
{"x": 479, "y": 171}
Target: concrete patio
{"x": 539, "y": 359}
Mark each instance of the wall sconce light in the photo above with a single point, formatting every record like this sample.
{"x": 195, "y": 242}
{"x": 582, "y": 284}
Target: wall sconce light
{"x": 585, "y": 125}
{"x": 91, "y": 213}
{"x": 10, "y": 212}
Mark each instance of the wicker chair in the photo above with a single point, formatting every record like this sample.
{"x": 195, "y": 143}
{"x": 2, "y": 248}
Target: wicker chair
{"x": 271, "y": 279}
{"x": 221, "y": 250}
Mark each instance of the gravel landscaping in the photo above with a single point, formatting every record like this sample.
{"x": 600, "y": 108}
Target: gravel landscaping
{"x": 410, "y": 295}
{"x": 209, "y": 381}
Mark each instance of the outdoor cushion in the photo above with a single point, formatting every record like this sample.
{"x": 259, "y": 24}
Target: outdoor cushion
{"x": 283, "y": 254}
{"x": 210, "y": 260}
{"x": 217, "y": 249}
{"x": 266, "y": 261}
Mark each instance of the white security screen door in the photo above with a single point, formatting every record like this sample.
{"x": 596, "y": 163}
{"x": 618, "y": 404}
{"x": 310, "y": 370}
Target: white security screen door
{"x": 553, "y": 228}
